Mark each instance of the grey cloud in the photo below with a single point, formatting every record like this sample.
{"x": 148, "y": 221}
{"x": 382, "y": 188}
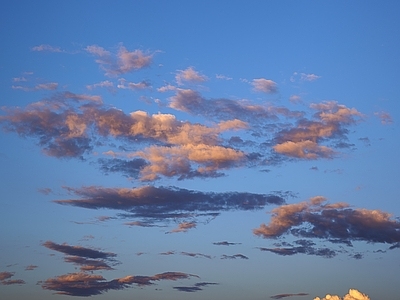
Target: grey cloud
{"x": 78, "y": 250}
{"x": 225, "y": 243}
{"x": 281, "y": 296}
{"x": 167, "y": 202}
{"x": 197, "y": 287}
{"x": 241, "y": 256}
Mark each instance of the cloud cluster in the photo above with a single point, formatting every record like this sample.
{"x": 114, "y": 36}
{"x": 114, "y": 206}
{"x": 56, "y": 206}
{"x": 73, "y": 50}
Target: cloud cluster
{"x": 336, "y": 223}
{"x": 304, "y": 140}
{"x": 352, "y": 295}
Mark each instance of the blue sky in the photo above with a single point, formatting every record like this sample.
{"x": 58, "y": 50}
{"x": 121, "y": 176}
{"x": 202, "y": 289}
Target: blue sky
{"x": 202, "y": 150}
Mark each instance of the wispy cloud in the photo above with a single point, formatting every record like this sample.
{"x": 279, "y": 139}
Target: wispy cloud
{"x": 103, "y": 84}
{"x": 124, "y": 84}
{"x": 234, "y": 256}
{"x": 281, "y": 296}
{"x": 50, "y": 86}
{"x": 195, "y": 288}
{"x": 46, "y": 47}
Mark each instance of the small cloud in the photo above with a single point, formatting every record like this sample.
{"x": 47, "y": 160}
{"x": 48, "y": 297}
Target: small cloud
{"x": 264, "y": 85}
{"x": 102, "y": 84}
{"x": 223, "y": 77}
{"x": 309, "y": 77}
{"x": 6, "y": 275}
{"x": 183, "y": 227}
{"x": 189, "y": 75}
{"x": 45, "y": 191}
{"x": 281, "y": 296}
{"x": 123, "y": 84}
{"x": 385, "y": 117}
{"x": 225, "y": 243}
{"x": 295, "y": 99}
{"x": 30, "y": 268}
{"x": 235, "y": 256}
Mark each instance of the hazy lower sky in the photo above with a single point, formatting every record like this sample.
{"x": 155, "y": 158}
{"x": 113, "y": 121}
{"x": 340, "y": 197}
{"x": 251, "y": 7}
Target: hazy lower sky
{"x": 200, "y": 150}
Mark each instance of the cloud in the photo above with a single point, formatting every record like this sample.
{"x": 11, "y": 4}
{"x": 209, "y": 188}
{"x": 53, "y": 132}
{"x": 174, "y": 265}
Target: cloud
{"x": 225, "y": 243}
{"x": 48, "y": 48}
{"x": 330, "y": 123}
{"x": 332, "y": 222}
{"x": 179, "y": 161}
{"x": 164, "y": 202}
{"x": 6, "y": 275}
{"x": 78, "y": 250}
{"x": 195, "y": 288}
{"x": 352, "y": 295}
{"x": 106, "y": 84}
{"x": 191, "y": 254}
{"x": 295, "y": 99}
{"x": 85, "y": 285}
{"x": 309, "y": 77}
{"x": 385, "y": 117}
{"x": 220, "y": 76}
{"x": 189, "y": 75}
{"x": 281, "y": 296}
{"x": 88, "y": 264}
{"x": 264, "y": 85}
{"x": 183, "y": 227}
{"x": 50, "y": 86}
{"x": 303, "y": 77}
{"x": 192, "y": 102}
{"x": 123, "y": 84}
{"x": 235, "y": 256}
{"x": 13, "y": 281}
{"x": 30, "y": 267}
{"x": 304, "y": 149}
{"x": 122, "y": 62}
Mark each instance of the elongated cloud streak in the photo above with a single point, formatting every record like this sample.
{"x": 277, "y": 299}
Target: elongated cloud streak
{"x": 162, "y": 202}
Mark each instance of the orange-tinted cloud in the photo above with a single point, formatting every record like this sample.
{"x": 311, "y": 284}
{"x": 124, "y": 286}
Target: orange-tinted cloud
{"x": 352, "y": 295}
{"x": 335, "y": 222}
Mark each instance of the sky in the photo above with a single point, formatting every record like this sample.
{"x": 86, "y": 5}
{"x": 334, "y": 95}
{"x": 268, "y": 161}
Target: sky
{"x": 200, "y": 150}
